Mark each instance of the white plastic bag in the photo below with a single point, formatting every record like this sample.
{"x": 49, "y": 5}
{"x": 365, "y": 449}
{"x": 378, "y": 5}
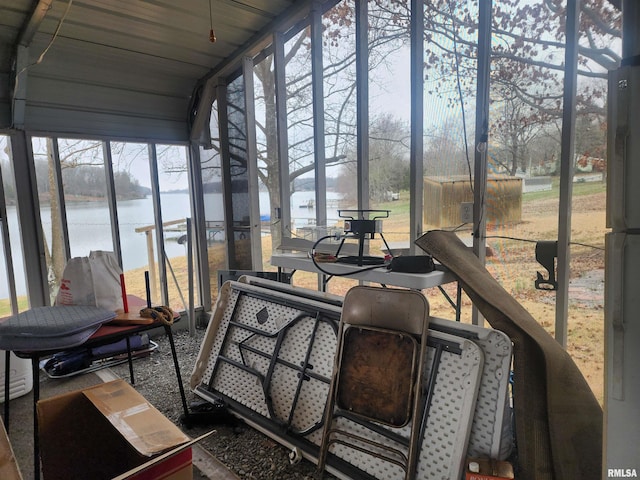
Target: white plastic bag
{"x": 76, "y": 285}
{"x": 105, "y": 273}
{"x": 92, "y": 280}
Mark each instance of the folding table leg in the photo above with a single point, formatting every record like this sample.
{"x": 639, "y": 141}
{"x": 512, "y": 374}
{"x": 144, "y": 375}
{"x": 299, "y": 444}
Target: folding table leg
{"x": 7, "y": 374}
{"x": 35, "y": 368}
{"x": 183, "y": 397}
{"x": 458, "y": 301}
{"x": 130, "y": 360}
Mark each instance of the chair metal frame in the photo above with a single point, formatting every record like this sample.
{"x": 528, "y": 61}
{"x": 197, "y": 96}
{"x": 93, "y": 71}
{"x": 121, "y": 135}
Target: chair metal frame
{"x": 389, "y": 311}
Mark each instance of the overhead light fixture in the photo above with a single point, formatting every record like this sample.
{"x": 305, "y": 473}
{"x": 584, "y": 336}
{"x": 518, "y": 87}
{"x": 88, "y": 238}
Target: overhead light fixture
{"x": 212, "y": 34}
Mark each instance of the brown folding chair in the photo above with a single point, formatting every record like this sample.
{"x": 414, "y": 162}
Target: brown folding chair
{"x": 378, "y": 375}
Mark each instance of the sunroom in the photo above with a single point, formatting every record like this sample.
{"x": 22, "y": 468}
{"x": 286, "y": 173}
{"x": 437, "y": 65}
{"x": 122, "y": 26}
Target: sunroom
{"x": 201, "y": 140}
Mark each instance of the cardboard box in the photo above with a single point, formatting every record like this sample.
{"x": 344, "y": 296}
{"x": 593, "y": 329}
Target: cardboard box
{"x": 8, "y": 466}
{"x": 110, "y": 430}
{"x": 489, "y": 469}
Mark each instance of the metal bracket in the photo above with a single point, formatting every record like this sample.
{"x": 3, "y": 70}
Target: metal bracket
{"x": 546, "y": 254}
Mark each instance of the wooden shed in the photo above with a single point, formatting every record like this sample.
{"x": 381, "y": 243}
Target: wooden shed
{"x": 443, "y": 197}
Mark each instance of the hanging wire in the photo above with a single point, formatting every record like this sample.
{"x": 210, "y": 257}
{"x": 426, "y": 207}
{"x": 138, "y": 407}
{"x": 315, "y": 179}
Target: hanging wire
{"x": 506, "y": 237}
{"x": 44, "y": 52}
{"x": 527, "y": 240}
{"x": 459, "y": 91}
{"x": 480, "y": 147}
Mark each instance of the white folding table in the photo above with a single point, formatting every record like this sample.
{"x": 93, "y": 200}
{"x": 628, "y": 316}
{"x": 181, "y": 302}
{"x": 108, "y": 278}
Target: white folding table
{"x": 381, "y": 275}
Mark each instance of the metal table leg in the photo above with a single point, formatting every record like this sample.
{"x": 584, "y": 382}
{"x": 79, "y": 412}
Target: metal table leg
{"x": 35, "y": 368}
{"x": 7, "y": 374}
{"x": 130, "y": 360}
{"x": 183, "y": 397}
{"x": 458, "y": 301}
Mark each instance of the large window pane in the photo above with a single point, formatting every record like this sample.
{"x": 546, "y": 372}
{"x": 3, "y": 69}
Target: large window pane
{"x": 300, "y": 133}
{"x": 525, "y": 154}
{"x": 132, "y": 180}
{"x": 340, "y": 88}
{"x": 135, "y": 207}
{"x": 85, "y": 195}
{"x": 50, "y": 212}
{"x": 390, "y": 113}
{"x": 211, "y": 172}
{"x": 238, "y": 181}
{"x": 175, "y": 205}
{"x": 9, "y": 228}
{"x": 88, "y": 225}
{"x": 339, "y": 78}
{"x": 450, "y": 82}
{"x": 268, "y": 160}
{"x": 136, "y": 222}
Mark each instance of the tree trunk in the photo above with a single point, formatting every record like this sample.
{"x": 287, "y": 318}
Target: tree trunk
{"x": 270, "y": 173}
{"x": 276, "y": 230}
{"x": 58, "y": 257}
{"x": 514, "y": 156}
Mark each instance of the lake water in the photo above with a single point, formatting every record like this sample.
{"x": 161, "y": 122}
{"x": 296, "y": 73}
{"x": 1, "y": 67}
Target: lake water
{"x": 89, "y": 228}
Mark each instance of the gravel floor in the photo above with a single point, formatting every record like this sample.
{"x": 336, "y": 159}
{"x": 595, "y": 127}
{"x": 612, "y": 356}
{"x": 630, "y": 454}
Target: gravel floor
{"x": 247, "y": 452}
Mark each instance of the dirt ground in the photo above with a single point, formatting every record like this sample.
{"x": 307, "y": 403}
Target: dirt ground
{"x": 514, "y": 265}
{"x": 516, "y": 271}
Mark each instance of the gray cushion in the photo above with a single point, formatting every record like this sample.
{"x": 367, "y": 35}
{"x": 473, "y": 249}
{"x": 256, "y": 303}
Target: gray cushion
{"x": 44, "y": 328}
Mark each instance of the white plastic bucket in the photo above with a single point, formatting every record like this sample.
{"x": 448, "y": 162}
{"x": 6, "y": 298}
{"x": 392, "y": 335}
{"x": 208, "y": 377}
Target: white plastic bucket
{"x": 20, "y": 378}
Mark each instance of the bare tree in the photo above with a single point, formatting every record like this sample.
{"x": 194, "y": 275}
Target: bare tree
{"x": 516, "y": 124}
{"x": 527, "y": 66}
{"x": 445, "y": 152}
{"x": 388, "y": 161}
